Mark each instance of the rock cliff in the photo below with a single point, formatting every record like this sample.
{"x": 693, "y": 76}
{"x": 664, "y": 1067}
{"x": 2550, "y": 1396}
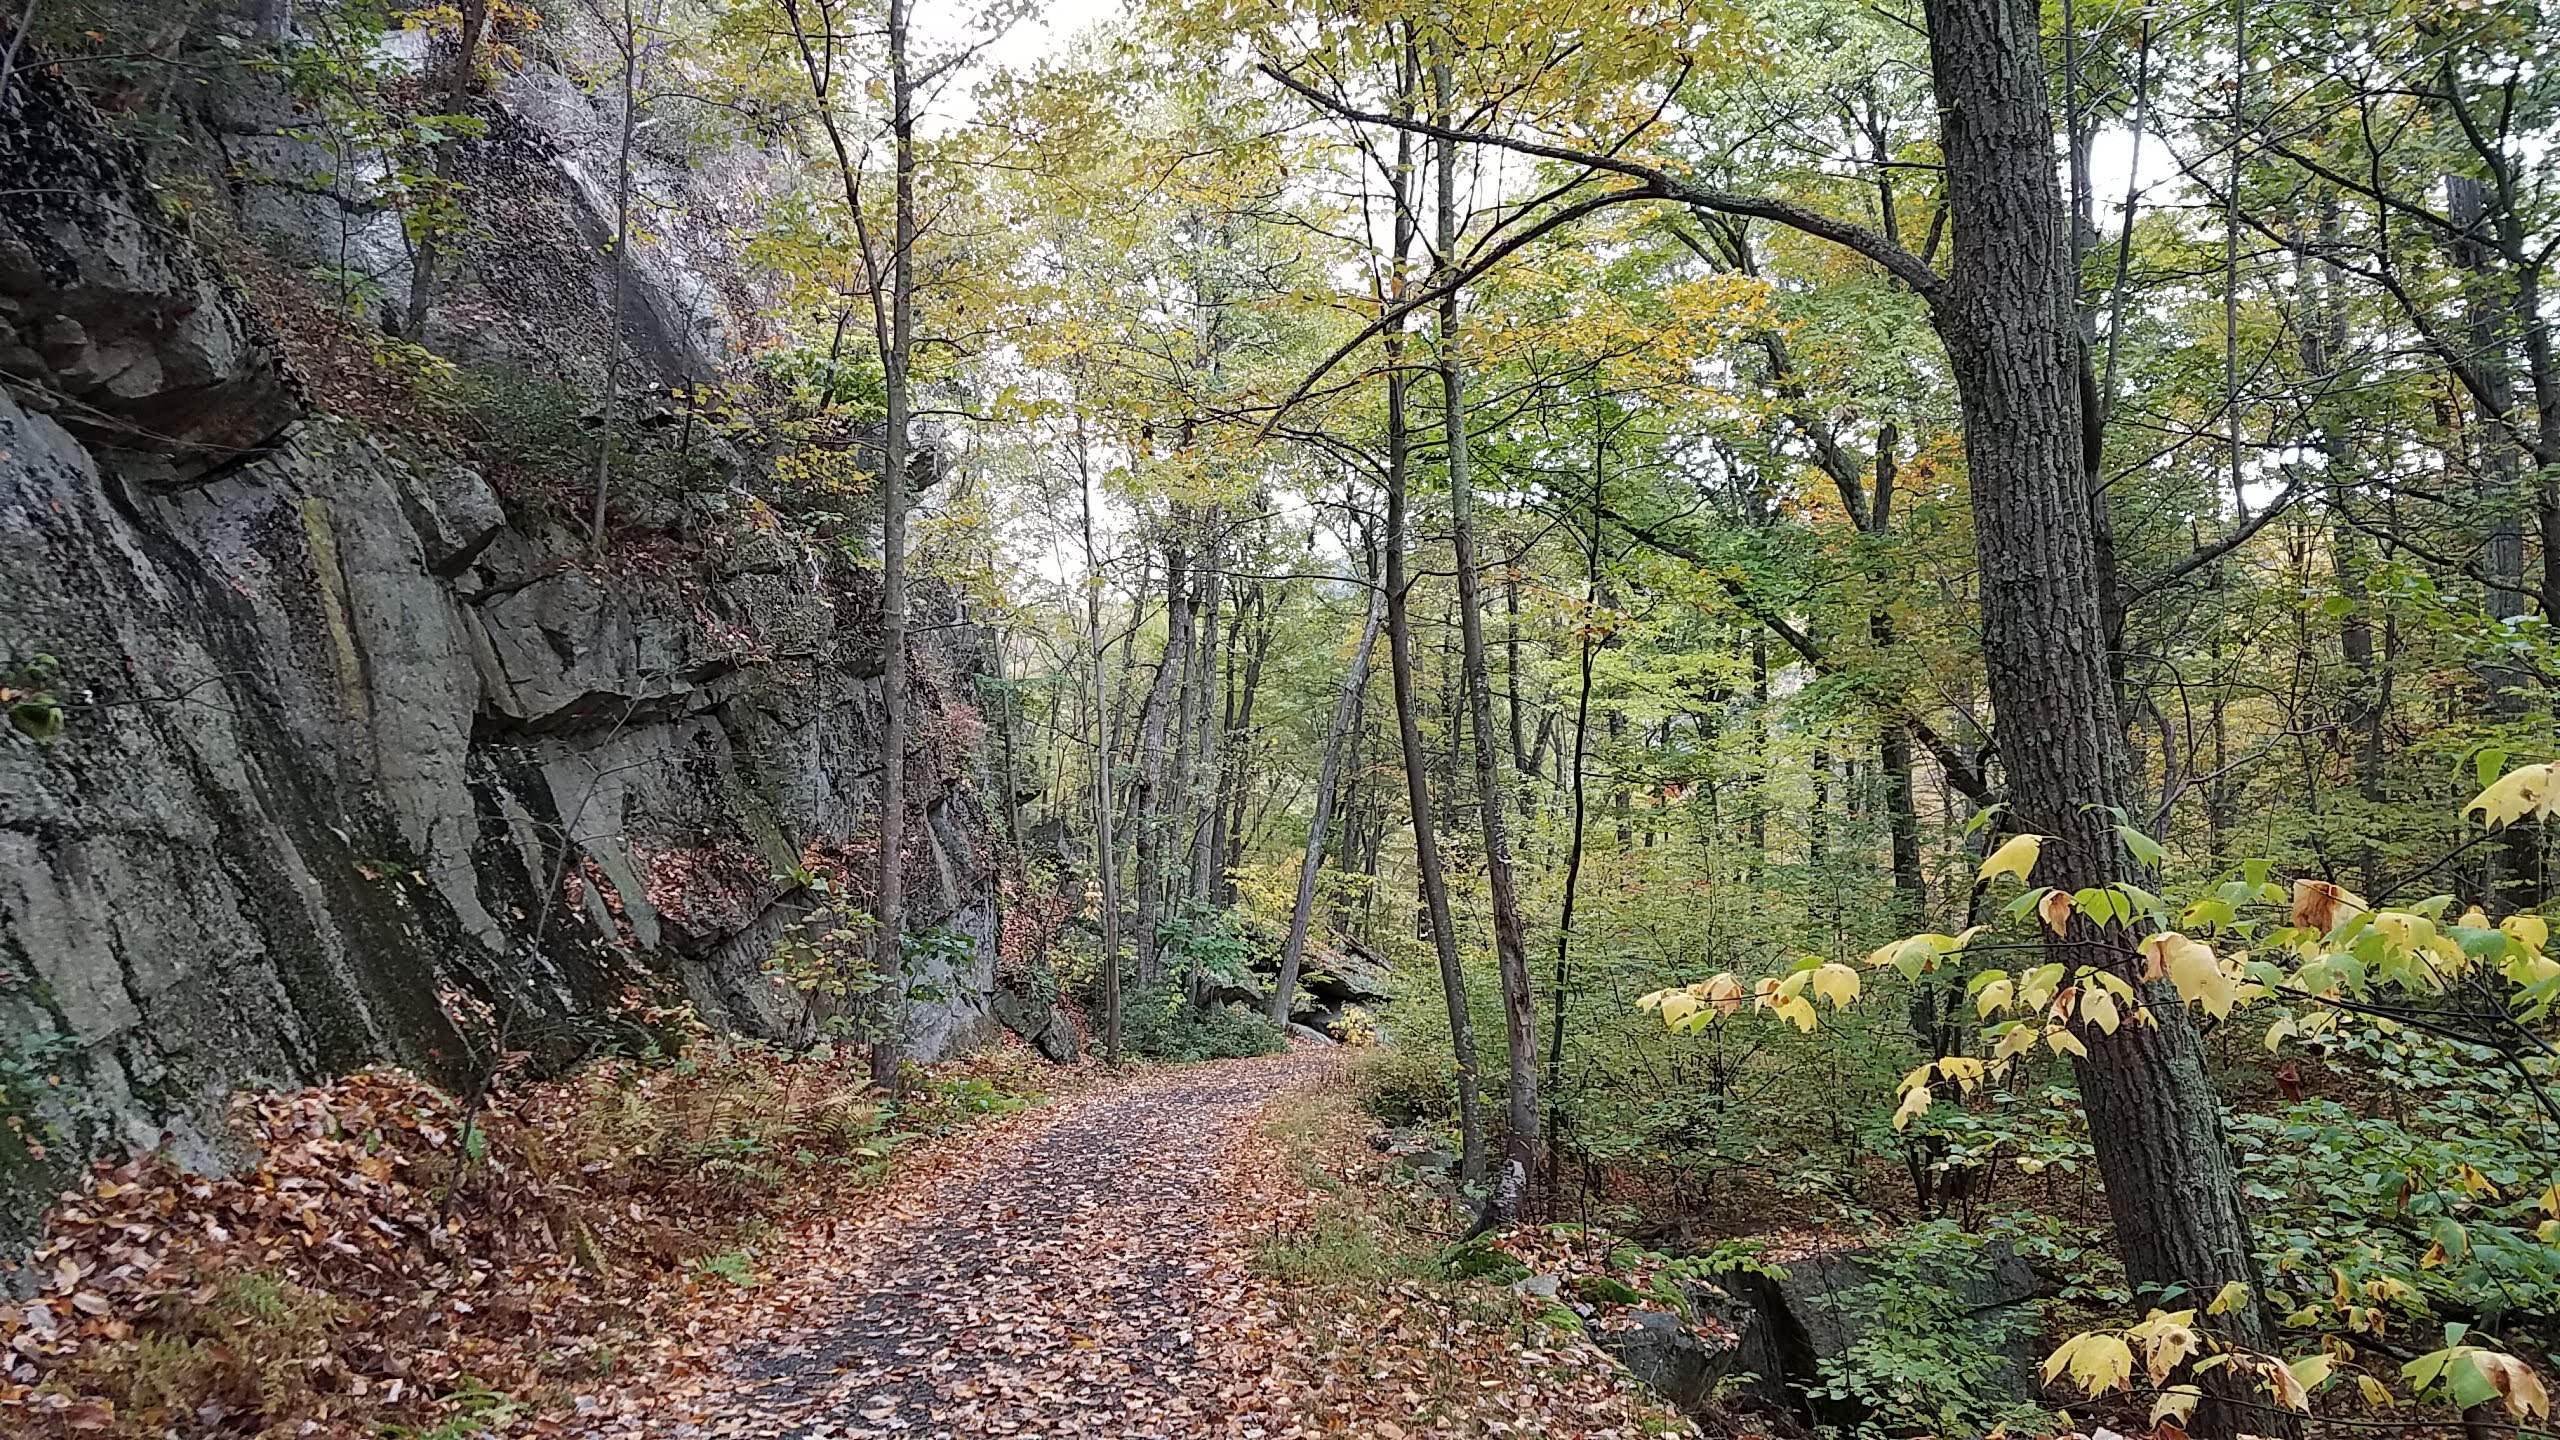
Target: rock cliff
{"x": 325, "y": 750}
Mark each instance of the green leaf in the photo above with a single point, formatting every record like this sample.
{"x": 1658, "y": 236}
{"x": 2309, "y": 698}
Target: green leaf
{"x": 2104, "y": 906}
{"x": 2470, "y": 1384}
{"x": 2487, "y": 762}
{"x": 2144, "y": 848}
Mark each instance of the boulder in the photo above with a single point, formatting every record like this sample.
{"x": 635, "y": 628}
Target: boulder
{"x": 108, "y": 317}
{"x": 456, "y": 515}
{"x": 1681, "y": 1362}
{"x": 1048, "y": 1027}
{"x": 1788, "y": 1327}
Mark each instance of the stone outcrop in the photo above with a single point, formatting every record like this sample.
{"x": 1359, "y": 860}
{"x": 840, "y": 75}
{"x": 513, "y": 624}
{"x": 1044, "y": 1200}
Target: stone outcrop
{"x": 353, "y": 764}
{"x": 1764, "y": 1339}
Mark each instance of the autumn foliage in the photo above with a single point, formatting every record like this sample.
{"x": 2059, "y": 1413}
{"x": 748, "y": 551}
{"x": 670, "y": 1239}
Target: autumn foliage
{"x": 398, "y": 1256}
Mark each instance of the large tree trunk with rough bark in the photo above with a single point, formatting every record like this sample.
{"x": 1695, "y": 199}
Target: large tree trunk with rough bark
{"x": 2006, "y": 317}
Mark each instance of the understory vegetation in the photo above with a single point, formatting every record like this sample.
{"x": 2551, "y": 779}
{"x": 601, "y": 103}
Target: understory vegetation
{"x": 402, "y": 1262}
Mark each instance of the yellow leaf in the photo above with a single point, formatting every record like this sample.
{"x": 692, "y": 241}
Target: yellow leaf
{"x": 2281, "y": 1382}
{"x": 2016, "y": 856}
{"x": 2516, "y": 1383}
{"x": 2232, "y": 1295}
{"x": 1992, "y": 997}
{"x": 2319, "y": 905}
{"x": 2176, "y": 1403}
{"x": 2521, "y": 792}
{"x": 2019, "y": 1040}
{"x": 2167, "y": 1348}
{"x": 2191, "y": 966}
{"x": 2530, "y": 931}
{"x": 1965, "y": 1070}
{"x": 1836, "y": 983}
{"x": 2060, "y": 1359}
{"x": 2099, "y": 1008}
{"x": 1677, "y": 1006}
{"x": 2376, "y": 1394}
{"x": 2064, "y": 1042}
{"x": 1722, "y": 991}
{"x": 2280, "y": 1031}
{"x": 1914, "y": 1100}
{"x": 2100, "y": 1363}
{"x": 2311, "y": 1372}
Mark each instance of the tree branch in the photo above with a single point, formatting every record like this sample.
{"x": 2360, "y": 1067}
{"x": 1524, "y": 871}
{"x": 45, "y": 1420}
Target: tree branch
{"x": 1659, "y": 184}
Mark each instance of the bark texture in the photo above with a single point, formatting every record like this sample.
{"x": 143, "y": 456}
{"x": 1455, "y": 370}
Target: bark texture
{"x": 2007, "y": 319}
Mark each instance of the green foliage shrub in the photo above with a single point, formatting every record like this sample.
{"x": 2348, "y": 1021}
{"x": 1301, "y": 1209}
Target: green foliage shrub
{"x": 536, "y": 438}
{"x": 1159, "y": 1022}
{"x": 2427, "y": 1196}
{"x": 1407, "y": 1085}
{"x": 1481, "y": 1260}
{"x": 1925, "y": 1362}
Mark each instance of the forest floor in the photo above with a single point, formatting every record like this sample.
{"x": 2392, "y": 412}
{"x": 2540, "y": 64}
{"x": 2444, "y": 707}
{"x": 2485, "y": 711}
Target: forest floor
{"x": 1204, "y": 1251}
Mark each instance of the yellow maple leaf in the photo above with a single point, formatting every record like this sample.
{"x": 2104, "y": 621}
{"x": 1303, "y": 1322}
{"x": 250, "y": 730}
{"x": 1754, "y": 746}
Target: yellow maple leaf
{"x": 2016, "y": 856}
{"x": 2524, "y": 791}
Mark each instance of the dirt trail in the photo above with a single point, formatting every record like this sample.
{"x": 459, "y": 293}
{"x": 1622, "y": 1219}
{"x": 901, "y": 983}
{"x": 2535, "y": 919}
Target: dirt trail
{"x": 1072, "y": 1273}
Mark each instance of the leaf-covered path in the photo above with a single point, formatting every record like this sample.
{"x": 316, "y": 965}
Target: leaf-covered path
{"x": 1067, "y": 1273}
{"x": 1086, "y": 1269}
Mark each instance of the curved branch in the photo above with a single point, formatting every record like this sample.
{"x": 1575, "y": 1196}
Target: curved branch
{"x": 1660, "y": 184}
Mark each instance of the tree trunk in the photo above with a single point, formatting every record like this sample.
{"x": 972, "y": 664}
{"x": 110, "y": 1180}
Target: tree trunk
{"x": 2007, "y": 320}
{"x": 630, "y": 40}
{"x": 1295, "y": 948}
{"x": 426, "y": 258}
{"x": 1521, "y": 764}
{"x": 1417, "y": 776}
{"x": 1519, "y": 1003}
{"x": 1147, "y": 813}
{"x": 887, "y": 1053}
{"x": 1106, "y": 854}
{"x": 1209, "y": 753}
{"x": 2514, "y": 864}
{"x": 1578, "y": 800}
{"x": 1241, "y": 735}
{"x": 1007, "y": 702}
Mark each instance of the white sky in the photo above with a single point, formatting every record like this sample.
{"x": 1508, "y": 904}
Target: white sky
{"x": 1027, "y": 43}
{"x": 1049, "y": 30}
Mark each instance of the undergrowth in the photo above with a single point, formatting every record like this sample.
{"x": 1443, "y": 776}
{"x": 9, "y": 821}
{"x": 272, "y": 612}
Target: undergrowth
{"x": 1159, "y": 1022}
{"x": 403, "y": 1264}
{"x": 1383, "y": 1304}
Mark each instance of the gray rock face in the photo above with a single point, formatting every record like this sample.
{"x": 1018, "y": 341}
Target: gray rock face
{"x": 1780, "y": 1332}
{"x": 542, "y": 178}
{"x": 1681, "y": 1363}
{"x": 1049, "y": 1028}
{"x": 108, "y": 321}
{"x": 351, "y": 762}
